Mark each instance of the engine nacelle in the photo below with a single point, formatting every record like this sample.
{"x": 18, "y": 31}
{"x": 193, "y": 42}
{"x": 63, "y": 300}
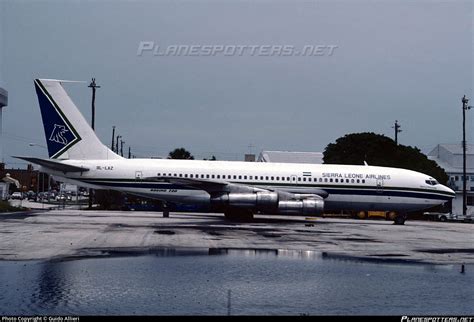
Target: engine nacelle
{"x": 261, "y": 200}
{"x": 301, "y": 207}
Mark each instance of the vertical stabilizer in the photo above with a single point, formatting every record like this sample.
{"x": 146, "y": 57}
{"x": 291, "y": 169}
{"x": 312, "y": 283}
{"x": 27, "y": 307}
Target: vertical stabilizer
{"x": 68, "y": 135}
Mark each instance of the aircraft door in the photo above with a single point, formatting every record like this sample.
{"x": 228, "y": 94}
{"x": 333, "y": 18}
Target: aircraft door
{"x": 379, "y": 184}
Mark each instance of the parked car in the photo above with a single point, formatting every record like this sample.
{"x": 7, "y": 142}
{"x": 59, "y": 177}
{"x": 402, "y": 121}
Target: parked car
{"x": 31, "y": 195}
{"x": 441, "y": 216}
{"x": 62, "y": 197}
{"x": 17, "y": 195}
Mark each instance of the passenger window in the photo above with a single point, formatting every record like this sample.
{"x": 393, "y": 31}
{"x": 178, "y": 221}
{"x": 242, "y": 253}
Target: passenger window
{"x": 325, "y": 179}
{"x": 352, "y": 180}
{"x": 207, "y": 176}
{"x": 245, "y": 177}
{"x": 337, "y": 180}
{"x": 347, "y": 180}
{"x": 240, "y": 177}
{"x": 363, "y": 180}
{"x": 358, "y": 180}
{"x": 330, "y": 180}
{"x": 299, "y": 179}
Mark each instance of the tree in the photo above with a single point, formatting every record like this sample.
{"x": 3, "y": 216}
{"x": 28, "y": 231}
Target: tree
{"x": 379, "y": 150}
{"x": 180, "y": 153}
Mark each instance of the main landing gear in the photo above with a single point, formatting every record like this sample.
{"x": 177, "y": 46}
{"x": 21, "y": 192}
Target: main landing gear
{"x": 400, "y": 219}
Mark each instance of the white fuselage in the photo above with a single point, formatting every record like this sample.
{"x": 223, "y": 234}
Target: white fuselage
{"x": 349, "y": 187}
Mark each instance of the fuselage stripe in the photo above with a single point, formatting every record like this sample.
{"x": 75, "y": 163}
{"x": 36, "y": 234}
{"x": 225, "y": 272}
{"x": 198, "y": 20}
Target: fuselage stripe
{"x": 367, "y": 191}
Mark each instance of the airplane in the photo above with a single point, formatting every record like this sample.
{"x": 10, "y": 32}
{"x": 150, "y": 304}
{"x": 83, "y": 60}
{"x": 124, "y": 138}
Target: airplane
{"x": 238, "y": 189}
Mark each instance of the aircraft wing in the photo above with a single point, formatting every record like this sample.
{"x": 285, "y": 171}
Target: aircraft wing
{"x": 206, "y": 185}
{"x": 54, "y": 165}
{"x": 222, "y": 186}
{"x": 302, "y": 191}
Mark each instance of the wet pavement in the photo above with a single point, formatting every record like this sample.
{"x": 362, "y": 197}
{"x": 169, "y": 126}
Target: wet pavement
{"x": 60, "y": 234}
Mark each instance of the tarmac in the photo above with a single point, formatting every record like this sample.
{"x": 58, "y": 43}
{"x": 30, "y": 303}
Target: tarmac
{"x": 74, "y": 234}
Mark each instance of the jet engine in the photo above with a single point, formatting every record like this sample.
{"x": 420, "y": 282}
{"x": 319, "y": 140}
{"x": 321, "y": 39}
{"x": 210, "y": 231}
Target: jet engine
{"x": 311, "y": 206}
{"x": 272, "y": 202}
{"x": 247, "y": 200}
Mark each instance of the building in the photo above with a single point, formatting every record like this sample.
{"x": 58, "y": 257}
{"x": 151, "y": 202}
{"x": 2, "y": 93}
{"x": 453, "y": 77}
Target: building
{"x": 291, "y": 157}
{"x": 249, "y": 158}
{"x": 450, "y": 158}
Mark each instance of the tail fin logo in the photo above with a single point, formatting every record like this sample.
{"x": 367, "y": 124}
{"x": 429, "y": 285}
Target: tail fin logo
{"x": 58, "y": 134}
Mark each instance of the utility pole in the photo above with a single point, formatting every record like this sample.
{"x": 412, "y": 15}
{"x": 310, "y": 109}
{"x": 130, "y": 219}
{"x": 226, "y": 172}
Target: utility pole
{"x": 92, "y": 85}
{"x": 116, "y": 143}
{"x": 129, "y": 153}
{"x": 464, "y": 196}
{"x": 113, "y": 136}
{"x": 397, "y": 130}
{"x": 121, "y": 147}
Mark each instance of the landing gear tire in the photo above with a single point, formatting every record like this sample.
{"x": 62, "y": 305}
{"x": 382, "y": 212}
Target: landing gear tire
{"x": 239, "y": 215}
{"x": 400, "y": 219}
{"x": 361, "y": 215}
{"x": 391, "y": 215}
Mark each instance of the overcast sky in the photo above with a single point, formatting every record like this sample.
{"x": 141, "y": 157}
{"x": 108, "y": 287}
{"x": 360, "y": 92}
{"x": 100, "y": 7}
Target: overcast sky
{"x": 409, "y": 61}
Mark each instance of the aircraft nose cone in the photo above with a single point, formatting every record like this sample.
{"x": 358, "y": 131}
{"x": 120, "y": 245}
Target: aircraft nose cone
{"x": 450, "y": 191}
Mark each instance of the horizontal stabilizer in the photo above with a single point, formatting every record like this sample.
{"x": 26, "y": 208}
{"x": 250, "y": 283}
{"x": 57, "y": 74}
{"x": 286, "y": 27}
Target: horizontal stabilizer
{"x": 54, "y": 165}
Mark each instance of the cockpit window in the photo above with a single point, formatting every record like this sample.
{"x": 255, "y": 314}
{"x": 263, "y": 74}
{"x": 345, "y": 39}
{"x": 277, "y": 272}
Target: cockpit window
{"x": 431, "y": 182}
